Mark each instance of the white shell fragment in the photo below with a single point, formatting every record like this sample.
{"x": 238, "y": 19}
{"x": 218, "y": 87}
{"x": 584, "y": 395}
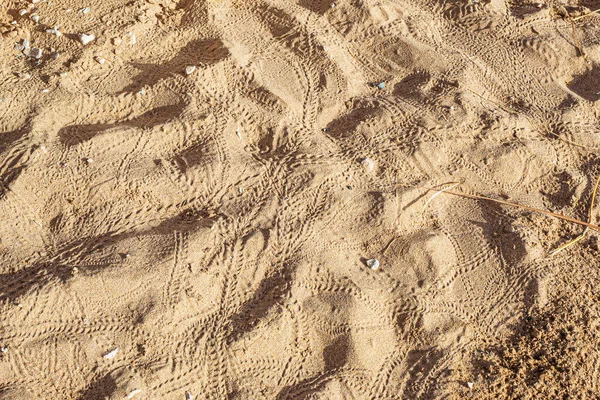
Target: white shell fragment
{"x": 368, "y": 164}
{"x": 22, "y": 11}
{"x": 54, "y": 31}
{"x": 84, "y": 10}
{"x": 23, "y": 46}
{"x": 85, "y": 38}
{"x": 133, "y": 393}
{"x": 131, "y": 37}
{"x": 190, "y": 69}
{"x": 373, "y": 263}
{"x": 188, "y": 396}
{"x": 111, "y": 354}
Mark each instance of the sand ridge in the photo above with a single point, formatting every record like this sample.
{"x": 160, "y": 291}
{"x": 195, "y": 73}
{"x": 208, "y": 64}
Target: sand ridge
{"x": 214, "y": 223}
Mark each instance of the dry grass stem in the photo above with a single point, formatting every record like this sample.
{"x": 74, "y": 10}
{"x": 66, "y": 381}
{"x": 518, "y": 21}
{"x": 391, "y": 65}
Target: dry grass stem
{"x": 508, "y": 203}
{"x": 578, "y": 238}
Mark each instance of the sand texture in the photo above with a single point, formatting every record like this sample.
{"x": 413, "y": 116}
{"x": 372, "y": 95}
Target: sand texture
{"x": 191, "y": 192}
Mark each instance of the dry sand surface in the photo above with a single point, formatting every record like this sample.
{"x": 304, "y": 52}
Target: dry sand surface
{"x": 192, "y": 200}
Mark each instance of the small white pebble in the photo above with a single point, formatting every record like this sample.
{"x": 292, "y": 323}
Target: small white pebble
{"x": 133, "y": 393}
{"x": 470, "y": 385}
{"x": 373, "y": 263}
{"x": 141, "y": 91}
{"x": 111, "y": 354}
{"x": 84, "y": 10}
{"x": 4, "y": 349}
{"x": 25, "y": 76}
{"x": 45, "y": 90}
{"x": 188, "y": 396}
{"x": 35, "y": 1}
{"x": 85, "y": 38}
{"x": 117, "y": 41}
{"x": 100, "y": 60}
{"x": 240, "y": 190}
{"x": 190, "y": 69}
{"x": 63, "y": 74}
{"x": 22, "y": 11}
{"x": 89, "y": 160}
{"x": 68, "y": 10}
{"x": 35, "y": 18}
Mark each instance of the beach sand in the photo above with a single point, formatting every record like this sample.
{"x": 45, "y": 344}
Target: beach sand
{"x": 193, "y": 194}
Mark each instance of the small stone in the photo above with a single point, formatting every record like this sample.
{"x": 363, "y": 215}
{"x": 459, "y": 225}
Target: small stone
{"x": 35, "y": 18}
{"x": 509, "y": 229}
{"x": 84, "y": 10}
{"x": 190, "y": 69}
{"x": 22, "y": 11}
{"x": 100, "y": 60}
{"x": 470, "y": 385}
{"x": 63, "y": 74}
{"x": 84, "y": 38}
{"x": 25, "y": 76}
{"x": 88, "y": 160}
{"x": 45, "y": 90}
{"x": 117, "y": 41}
{"x": 373, "y": 263}
{"x": 4, "y": 350}
{"x": 141, "y": 91}
{"x": 111, "y": 354}
{"x": 35, "y": 52}
{"x": 325, "y": 130}
{"x": 188, "y": 396}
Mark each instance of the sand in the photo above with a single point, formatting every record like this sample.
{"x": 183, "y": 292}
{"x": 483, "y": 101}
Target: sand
{"x": 189, "y": 200}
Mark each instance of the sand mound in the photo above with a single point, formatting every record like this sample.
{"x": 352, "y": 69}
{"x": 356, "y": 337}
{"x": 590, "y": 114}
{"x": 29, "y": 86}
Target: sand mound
{"x": 198, "y": 185}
